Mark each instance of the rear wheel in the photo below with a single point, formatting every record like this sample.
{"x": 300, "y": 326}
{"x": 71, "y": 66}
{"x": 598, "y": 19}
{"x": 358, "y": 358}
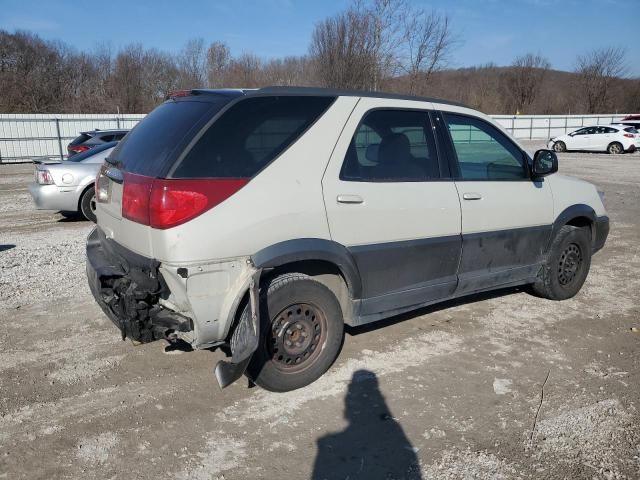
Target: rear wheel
{"x": 567, "y": 265}
{"x": 300, "y": 335}
{"x": 560, "y": 147}
{"x": 88, "y": 204}
{"x": 615, "y": 148}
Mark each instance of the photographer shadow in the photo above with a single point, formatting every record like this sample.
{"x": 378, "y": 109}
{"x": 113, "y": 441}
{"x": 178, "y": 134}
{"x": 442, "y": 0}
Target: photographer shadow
{"x": 373, "y": 446}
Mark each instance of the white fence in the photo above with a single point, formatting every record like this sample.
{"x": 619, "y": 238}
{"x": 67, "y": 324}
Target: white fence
{"x": 28, "y": 137}
{"x": 545, "y": 126}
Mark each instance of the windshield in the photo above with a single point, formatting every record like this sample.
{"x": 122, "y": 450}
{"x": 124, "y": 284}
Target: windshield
{"x": 90, "y": 153}
{"x": 148, "y": 148}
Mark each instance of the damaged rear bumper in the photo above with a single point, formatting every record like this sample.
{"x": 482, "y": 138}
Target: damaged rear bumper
{"x": 128, "y": 287}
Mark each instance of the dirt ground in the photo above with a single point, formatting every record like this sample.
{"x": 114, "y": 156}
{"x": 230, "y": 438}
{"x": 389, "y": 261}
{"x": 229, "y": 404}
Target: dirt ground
{"x": 499, "y": 386}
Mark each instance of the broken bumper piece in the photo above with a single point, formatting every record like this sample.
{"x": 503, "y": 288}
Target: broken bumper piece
{"x": 128, "y": 287}
{"x": 244, "y": 340}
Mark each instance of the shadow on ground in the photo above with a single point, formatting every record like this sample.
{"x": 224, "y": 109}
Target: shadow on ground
{"x": 373, "y": 445}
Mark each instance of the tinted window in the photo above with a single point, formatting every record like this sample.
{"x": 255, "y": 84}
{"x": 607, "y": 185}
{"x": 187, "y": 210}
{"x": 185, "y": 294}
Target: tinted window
{"x": 586, "y": 131}
{"x": 249, "y": 135}
{"x": 631, "y": 130}
{"x": 80, "y": 139}
{"x": 391, "y": 146}
{"x": 90, "y": 153}
{"x": 484, "y": 153}
{"x": 107, "y": 138}
{"x": 148, "y": 147}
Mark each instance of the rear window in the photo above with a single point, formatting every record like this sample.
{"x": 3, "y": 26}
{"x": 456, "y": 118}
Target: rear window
{"x": 80, "y": 139}
{"x": 90, "y": 153}
{"x": 250, "y": 135}
{"x": 148, "y": 148}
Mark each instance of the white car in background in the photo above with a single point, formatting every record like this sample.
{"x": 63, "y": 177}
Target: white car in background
{"x": 598, "y": 138}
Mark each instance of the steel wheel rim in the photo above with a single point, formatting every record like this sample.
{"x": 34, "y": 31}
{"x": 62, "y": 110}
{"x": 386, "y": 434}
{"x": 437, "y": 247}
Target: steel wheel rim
{"x": 569, "y": 264}
{"x": 297, "y": 337}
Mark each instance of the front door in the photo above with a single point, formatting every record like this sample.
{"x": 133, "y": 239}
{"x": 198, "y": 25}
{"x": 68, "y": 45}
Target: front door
{"x": 506, "y": 217}
{"x": 392, "y": 203}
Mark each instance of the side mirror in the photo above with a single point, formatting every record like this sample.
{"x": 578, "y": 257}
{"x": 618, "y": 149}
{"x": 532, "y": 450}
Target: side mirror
{"x": 545, "y": 162}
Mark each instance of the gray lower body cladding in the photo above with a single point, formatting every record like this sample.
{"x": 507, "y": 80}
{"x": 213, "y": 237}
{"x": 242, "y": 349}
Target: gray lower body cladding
{"x": 128, "y": 287}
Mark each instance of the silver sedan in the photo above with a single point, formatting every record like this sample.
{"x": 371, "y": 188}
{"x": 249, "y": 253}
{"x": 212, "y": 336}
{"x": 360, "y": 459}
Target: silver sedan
{"x": 68, "y": 185}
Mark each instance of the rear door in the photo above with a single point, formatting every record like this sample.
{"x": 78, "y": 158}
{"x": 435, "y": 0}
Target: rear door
{"x": 392, "y": 203}
{"x": 506, "y": 217}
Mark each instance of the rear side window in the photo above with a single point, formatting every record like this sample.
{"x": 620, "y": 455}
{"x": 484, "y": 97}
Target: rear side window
{"x": 630, "y": 130}
{"x": 250, "y": 135}
{"x": 148, "y": 148}
{"x": 483, "y": 151}
{"x": 391, "y": 146}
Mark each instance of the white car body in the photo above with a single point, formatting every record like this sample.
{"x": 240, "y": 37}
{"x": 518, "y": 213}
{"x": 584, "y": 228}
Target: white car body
{"x": 382, "y": 246}
{"x": 596, "y": 138}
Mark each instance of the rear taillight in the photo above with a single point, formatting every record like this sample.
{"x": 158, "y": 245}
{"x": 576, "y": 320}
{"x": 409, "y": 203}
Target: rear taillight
{"x": 629, "y": 135}
{"x": 43, "y": 177}
{"x": 77, "y": 148}
{"x": 103, "y": 185}
{"x": 165, "y": 203}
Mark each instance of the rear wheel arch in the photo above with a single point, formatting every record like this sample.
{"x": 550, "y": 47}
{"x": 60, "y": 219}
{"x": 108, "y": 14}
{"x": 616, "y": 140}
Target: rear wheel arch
{"x": 312, "y": 254}
{"x": 324, "y": 260}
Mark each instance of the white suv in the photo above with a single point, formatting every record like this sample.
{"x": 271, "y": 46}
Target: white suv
{"x": 264, "y": 221}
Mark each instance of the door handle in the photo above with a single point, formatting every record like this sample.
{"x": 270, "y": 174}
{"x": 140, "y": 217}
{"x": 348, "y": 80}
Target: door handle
{"x": 350, "y": 199}
{"x": 472, "y": 196}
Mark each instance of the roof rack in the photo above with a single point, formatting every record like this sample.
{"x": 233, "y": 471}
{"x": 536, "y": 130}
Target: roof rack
{"x": 305, "y": 91}
{"x": 331, "y": 92}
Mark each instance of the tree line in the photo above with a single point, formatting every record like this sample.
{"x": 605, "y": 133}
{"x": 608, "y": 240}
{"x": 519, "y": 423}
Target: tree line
{"x": 384, "y": 45}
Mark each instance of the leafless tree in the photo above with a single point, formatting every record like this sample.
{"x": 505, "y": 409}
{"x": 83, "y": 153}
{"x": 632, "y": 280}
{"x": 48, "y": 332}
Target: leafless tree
{"x": 218, "y": 59}
{"x": 245, "y": 71}
{"x": 192, "y": 64}
{"x": 428, "y": 41}
{"x": 343, "y": 50}
{"x": 596, "y": 71}
{"x": 524, "y": 79}
{"x": 372, "y": 42}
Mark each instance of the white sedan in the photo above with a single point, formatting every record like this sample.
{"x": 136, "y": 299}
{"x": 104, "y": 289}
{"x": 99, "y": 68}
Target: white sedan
{"x": 600, "y": 138}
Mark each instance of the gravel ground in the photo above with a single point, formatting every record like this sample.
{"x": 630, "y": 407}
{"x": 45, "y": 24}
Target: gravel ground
{"x": 498, "y": 386}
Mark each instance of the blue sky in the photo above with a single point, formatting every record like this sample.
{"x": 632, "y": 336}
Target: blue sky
{"x": 489, "y": 30}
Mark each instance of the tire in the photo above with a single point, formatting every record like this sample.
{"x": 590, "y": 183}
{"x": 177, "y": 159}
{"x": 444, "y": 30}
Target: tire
{"x": 301, "y": 333}
{"x": 615, "y": 148}
{"x": 567, "y": 264}
{"x": 559, "y": 147}
{"x": 88, "y": 204}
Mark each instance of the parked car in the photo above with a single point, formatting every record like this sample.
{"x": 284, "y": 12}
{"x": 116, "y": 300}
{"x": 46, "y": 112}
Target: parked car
{"x": 631, "y": 120}
{"x": 598, "y": 138}
{"x": 264, "y": 221}
{"x": 68, "y": 185}
{"x": 88, "y": 140}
